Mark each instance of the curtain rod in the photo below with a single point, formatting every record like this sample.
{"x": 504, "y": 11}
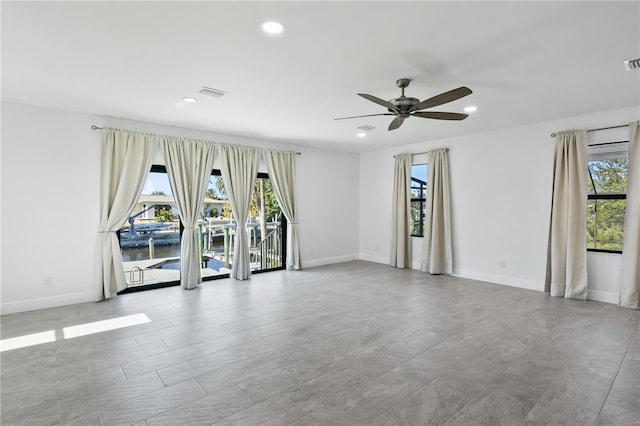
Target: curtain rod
{"x": 553, "y": 135}
{"x": 418, "y": 153}
{"x": 94, "y": 127}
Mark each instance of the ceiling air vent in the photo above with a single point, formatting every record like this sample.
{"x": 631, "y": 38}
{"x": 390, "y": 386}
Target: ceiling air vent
{"x": 212, "y": 92}
{"x": 632, "y": 64}
{"x": 366, "y": 127}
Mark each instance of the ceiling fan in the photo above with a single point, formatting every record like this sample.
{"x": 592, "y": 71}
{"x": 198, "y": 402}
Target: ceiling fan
{"x": 404, "y": 106}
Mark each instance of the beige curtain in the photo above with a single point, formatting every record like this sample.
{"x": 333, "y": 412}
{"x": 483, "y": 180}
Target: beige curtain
{"x": 400, "y": 213}
{"x": 239, "y": 170}
{"x": 436, "y": 250}
{"x": 630, "y": 282}
{"x": 189, "y": 164}
{"x": 126, "y": 159}
{"x": 567, "y": 249}
{"x": 281, "y": 167}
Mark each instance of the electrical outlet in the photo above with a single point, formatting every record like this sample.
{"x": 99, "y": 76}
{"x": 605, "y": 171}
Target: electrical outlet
{"x": 311, "y": 251}
{"x": 503, "y": 264}
{"x": 46, "y": 282}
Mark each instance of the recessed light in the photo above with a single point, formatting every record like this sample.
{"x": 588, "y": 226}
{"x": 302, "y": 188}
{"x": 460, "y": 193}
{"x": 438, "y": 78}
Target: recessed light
{"x": 189, "y": 100}
{"x": 272, "y": 27}
{"x": 471, "y": 108}
{"x": 361, "y": 134}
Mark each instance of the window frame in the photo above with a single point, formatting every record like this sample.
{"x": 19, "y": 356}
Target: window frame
{"x": 603, "y": 196}
{"x": 422, "y": 200}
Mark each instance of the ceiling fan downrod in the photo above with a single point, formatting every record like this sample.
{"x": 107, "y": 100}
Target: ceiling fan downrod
{"x": 402, "y": 83}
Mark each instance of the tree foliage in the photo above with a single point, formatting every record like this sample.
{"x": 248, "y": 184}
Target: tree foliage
{"x": 605, "y": 217}
{"x": 263, "y": 201}
{"x": 417, "y": 218}
{"x": 164, "y": 213}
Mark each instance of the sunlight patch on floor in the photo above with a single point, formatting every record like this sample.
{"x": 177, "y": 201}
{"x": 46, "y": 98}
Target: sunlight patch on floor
{"x": 73, "y": 331}
{"x": 106, "y": 325}
{"x": 27, "y": 340}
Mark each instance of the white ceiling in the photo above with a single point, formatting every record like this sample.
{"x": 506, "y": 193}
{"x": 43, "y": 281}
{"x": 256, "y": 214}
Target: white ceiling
{"x": 525, "y": 61}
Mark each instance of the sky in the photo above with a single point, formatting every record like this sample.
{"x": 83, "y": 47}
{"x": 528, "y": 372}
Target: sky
{"x": 160, "y": 182}
{"x": 419, "y": 172}
{"x": 157, "y": 182}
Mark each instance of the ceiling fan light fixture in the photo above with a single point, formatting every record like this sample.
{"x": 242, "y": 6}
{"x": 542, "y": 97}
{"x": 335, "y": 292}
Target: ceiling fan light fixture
{"x": 189, "y": 99}
{"x": 470, "y": 109}
{"x": 361, "y": 135}
{"x": 272, "y": 27}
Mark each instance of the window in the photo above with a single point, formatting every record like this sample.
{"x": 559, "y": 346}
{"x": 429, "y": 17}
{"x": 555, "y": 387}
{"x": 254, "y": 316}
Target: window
{"x": 608, "y": 169}
{"x": 418, "y": 198}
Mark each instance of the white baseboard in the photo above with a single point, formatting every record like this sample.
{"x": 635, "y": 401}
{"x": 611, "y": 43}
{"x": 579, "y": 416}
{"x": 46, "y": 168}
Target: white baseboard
{"x": 328, "y": 260}
{"x": 602, "y": 296}
{"x": 45, "y": 302}
{"x": 500, "y": 279}
{"x": 374, "y": 259}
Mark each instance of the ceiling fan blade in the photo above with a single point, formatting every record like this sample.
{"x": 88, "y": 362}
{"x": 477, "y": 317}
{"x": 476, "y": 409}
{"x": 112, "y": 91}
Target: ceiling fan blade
{"x": 441, "y": 115}
{"x": 358, "y": 116}
{"x": 397, "y": 122}
{"x": 443, "y": 98}
{"x": 379, "y": 101}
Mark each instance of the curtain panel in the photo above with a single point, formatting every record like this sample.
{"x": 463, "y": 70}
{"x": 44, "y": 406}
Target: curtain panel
{"x": 630, "y": 281}
{"x": 239, "y": 170}
{"x": 189, "y": 164}
{"x": 401, "y": 212}
{"x": 126, "y": 159}
{"x": 281, "y": 167}
{"x": 437, "y": 257}
{"x": 567, "y": 247}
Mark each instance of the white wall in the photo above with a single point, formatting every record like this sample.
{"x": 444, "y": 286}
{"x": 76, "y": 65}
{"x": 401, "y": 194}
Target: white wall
{"x": 329, "y": 201}
{"x": 50, "y": 170}
{"x": 51, "y": 159}
{"x": 501, "y": 189}
{"x": 501, "y": 193}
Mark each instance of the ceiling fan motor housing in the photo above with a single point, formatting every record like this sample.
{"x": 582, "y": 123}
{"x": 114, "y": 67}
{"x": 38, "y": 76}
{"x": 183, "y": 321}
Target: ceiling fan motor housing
{"x": 404, "y": 103}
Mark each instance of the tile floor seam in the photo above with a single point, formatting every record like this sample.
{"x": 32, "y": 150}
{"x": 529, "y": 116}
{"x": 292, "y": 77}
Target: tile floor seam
{"x": 613, "y": 381}
{"x": 241, "y": 411}
{"x": 207, "y": 372}
{"x": 407, "y": 396}
{"x": 206, "y": 395}
{"x": 531, "y": 409}
{"x": 465, "y": 405}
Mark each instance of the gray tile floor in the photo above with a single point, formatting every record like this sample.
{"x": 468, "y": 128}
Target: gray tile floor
{"x": 354, "y": 343}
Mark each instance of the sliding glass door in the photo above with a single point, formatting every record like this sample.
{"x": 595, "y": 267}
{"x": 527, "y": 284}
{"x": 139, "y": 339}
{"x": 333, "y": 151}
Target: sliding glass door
{"x": 268, "y": 228}
{"x": 219, "y": 229}
{"x": 150, "y": 241}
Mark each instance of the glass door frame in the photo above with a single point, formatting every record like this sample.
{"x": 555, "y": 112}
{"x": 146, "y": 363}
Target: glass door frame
{"x": 156, "y": 168}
